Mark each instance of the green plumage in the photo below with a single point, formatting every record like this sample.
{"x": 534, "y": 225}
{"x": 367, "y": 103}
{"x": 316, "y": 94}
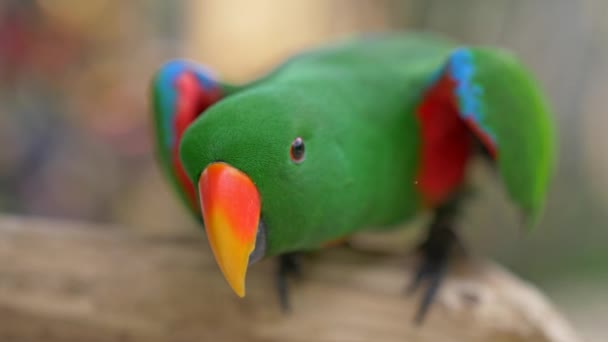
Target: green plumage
{"x": 518, "y": 114}
{"x": 355, "y": 105}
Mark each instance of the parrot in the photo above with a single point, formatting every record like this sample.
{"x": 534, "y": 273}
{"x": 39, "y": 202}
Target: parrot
{"x": 363, "y": 133}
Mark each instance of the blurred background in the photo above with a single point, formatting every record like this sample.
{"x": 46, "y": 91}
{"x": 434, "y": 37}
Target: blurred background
{"x": 75, "y": 128}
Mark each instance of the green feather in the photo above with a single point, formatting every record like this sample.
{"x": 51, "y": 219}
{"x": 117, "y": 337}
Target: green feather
{"x": 520, "y": 117}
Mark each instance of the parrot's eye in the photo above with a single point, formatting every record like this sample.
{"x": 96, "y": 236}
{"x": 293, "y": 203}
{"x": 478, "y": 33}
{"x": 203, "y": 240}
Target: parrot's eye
{"x": 297, "y": 150}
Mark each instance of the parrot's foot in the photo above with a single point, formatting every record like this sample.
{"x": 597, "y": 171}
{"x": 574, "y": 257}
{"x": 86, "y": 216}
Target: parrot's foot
{"x": 289, "y": 264}
{"x": 435, "y": 254}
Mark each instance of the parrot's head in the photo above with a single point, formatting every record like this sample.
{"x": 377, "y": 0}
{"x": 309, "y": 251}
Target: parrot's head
{"x": 256, "y": 158}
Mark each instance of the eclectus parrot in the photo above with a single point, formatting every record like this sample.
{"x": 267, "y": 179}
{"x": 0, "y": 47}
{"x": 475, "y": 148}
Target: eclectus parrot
{"x": 361, "y": 134}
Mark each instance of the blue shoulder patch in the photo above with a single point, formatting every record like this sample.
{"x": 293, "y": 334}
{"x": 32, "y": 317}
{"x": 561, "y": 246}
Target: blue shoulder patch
{"x": 461, "y": 68}
{"x": 167, "y": 95}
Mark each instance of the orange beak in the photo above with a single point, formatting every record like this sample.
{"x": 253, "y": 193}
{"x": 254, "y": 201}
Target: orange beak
{"x": 231, "y": 207}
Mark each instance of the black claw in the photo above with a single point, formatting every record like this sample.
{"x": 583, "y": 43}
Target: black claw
{"x": 282, "y": 291}
{"x": 434, "y": 275}
{"x": 289, "y": 264}
{"x": 432, "y": 268}
{"x": 435, "y": 251}
{"x": 420, "y": 274}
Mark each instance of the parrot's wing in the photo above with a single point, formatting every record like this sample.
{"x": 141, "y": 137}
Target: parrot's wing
{"x": 488, "y": 93}
{"x": 181, "y": 91}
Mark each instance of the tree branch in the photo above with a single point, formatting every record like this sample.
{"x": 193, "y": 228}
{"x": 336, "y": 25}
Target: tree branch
{"x": 71, "y": 282}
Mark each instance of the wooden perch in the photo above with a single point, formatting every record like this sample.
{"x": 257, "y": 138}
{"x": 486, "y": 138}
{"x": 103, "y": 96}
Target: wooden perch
{"x": 75, "y": 282}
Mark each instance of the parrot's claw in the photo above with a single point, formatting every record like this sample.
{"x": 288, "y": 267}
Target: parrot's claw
{"x": 435, "y": 252}
{"x": 289, "y": 264}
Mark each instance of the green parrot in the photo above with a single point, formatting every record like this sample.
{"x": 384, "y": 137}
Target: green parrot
{"x": 365, "y": 133}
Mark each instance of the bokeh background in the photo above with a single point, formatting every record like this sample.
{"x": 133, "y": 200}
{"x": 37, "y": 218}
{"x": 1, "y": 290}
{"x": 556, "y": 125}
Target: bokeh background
{"x": 75, "y": 129}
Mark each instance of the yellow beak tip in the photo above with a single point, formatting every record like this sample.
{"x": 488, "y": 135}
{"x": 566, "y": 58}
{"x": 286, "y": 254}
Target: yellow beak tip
{"x": 239, "y": 290}
{"x": 236, "y": 280}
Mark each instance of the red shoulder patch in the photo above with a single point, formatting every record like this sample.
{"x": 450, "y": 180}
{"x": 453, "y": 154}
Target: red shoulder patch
{"x": 446, "y": 143}
{"x": 192, "y": 100}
